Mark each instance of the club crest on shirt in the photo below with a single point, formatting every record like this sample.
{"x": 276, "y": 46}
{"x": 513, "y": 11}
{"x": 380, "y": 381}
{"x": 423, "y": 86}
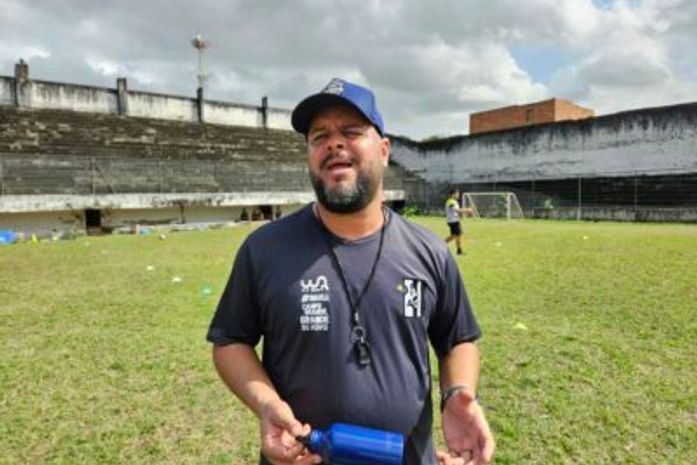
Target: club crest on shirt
{"x": 314, "y": 304}
{"x": 412, "y": 297}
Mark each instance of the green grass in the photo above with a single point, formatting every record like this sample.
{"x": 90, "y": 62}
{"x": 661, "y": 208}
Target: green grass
{"x": 104, "y": 362}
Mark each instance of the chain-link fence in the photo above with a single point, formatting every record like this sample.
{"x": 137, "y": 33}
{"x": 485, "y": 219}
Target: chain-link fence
{"x": 628, "y": 196}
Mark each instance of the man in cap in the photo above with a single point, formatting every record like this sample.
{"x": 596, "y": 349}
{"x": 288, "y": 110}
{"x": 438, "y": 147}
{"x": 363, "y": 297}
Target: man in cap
{"x": 346, "y": 295}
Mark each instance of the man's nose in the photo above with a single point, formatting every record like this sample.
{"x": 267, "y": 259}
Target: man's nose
{"x": 336, "y": 141}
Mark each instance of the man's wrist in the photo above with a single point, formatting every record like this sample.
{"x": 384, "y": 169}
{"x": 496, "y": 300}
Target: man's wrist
{"x": 451, "y": 391}
{"x": 268, "y": 405}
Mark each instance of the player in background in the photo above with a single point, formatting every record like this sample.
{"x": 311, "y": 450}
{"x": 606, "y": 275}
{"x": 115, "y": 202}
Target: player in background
{"x": 452, "y": 215}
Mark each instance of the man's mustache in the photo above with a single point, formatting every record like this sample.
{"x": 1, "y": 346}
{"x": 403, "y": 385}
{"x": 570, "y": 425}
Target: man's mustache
{"x": 333, "y": 158}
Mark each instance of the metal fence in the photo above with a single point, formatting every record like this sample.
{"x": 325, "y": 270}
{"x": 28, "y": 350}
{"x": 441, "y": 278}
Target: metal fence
{"x": 669, "y": 195}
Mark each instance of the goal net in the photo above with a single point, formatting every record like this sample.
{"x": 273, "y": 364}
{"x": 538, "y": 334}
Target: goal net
{"x": 493, "y": 205}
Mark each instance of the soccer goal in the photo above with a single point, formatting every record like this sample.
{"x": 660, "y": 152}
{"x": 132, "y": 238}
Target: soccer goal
{"x": 493, "y": 205}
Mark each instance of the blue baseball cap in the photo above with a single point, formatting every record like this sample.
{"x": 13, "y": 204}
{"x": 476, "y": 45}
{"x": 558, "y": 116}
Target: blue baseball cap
{"x": 338, "y": 91}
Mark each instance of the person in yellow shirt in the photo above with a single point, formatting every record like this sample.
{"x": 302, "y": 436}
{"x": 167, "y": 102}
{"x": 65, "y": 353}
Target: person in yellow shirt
{"x": 452, "y": 215}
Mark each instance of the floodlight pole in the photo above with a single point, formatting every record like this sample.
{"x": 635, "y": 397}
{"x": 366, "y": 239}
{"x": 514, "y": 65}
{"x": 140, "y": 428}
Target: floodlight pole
{"x": 200, "y": 45}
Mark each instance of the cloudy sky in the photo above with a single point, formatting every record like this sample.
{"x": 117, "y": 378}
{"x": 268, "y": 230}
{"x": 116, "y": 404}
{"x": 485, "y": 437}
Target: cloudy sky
{"x": 430, "y": 62}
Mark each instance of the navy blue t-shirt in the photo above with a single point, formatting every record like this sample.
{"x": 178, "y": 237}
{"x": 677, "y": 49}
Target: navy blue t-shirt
{"x": 285, "y": 288}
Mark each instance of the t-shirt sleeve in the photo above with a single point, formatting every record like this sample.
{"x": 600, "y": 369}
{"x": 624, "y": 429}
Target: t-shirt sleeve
{"x": 237, "y": 317}
{"x": 453, "y": 321}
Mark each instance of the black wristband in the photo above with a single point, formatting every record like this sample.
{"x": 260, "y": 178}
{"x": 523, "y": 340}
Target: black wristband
{"x": 448, "y": 393}
{"x": 451, "y": 391}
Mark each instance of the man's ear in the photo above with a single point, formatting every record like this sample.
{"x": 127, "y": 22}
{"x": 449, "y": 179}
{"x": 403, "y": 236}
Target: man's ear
{"x": 385, "y": 147}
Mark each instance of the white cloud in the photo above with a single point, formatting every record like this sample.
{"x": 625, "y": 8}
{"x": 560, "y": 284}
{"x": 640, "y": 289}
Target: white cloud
{"x": 430, "y": 63}
{"x": 632, "y": 58}
{"x": 106, "y": 67}
{"x": 26, "y": 52}
{"x": 141, "y": 73}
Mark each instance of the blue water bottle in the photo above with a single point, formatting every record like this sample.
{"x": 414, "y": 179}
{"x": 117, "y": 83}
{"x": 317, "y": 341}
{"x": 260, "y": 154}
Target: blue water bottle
{"x": 344, "y": 444}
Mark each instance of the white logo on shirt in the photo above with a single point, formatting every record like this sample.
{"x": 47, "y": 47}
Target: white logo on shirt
{"x": 314, "y": 298}
{"x": 412, "y": 298}
{"x": 319, "y": 285}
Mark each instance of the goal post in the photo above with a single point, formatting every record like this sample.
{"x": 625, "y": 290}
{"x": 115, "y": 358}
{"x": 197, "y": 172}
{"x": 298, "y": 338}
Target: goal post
{"x": 493, "y": 205}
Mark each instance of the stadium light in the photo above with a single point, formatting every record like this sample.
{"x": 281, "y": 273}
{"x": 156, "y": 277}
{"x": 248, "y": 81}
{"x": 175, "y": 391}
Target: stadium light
{"x": 200, "y": 45}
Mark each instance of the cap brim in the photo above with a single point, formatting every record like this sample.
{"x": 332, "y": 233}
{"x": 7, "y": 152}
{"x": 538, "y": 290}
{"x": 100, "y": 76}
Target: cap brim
{"x": 302, "y": 115}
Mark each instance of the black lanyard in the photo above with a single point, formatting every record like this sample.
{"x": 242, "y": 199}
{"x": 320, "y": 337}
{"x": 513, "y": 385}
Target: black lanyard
{"x": 358, "y": 333}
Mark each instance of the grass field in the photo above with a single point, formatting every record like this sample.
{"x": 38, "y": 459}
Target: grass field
{"x": 589, "y": 351}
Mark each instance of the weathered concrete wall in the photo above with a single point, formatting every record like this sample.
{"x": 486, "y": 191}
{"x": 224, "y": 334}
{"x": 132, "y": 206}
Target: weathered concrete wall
{"x": 222, "y": 113}
{"x": 219, "y": 215}
{"x": 34, "y": 203}
{"x": 279, "y": 119}
{"x": 42, "y": 223}
{"x": 39, "y": 94}
{"x": 59, "y": 96}
{"x": 7, "y": 91}
{"x": 148, "y": 105}
{"x": 188, "y": 215}
{"x": 45, "y": 214}
{"x": 45, "y": 223}
{"x": 115, "y": 218}
{"x": 37, "y": 203}
{"x": 657, "y": 140}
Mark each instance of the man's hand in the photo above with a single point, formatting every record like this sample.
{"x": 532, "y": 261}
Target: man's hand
{"x": 466, "y": 431}
{"x": 446, "y": 458}
{"x": 279, "y": 428}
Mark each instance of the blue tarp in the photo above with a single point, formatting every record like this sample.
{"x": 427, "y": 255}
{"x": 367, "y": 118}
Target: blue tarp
{"x": 7, "y": 236}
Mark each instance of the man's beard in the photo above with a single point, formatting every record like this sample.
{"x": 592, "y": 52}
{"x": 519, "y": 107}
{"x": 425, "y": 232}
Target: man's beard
{"x": 346, "y": 199}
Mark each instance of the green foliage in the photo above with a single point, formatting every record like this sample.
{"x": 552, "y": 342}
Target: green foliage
{"x": 103, "y": 360}
{"x": 411, "y": 210}
{"x": 434, "y": 137}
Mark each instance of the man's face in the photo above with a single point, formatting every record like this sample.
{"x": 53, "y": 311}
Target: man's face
{"x": 346, "y": 158}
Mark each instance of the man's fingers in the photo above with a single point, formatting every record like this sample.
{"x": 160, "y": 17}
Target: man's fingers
{"x": 306, "y": 430}
{"x": 306, "y": 459}
{"x": 442, "y": 457}
{"x": 276, "y": 449}
{"x": 488, "y": 447}
{"x": 309, "y": 459}
{"x": 485, "y": 452}
{"x": 282, "y": 455}
{"x": 467, "y": 457}
{"x": 449, "y": 458}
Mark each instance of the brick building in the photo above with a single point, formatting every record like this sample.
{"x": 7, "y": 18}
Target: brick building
{"x": 546, "y": 111}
